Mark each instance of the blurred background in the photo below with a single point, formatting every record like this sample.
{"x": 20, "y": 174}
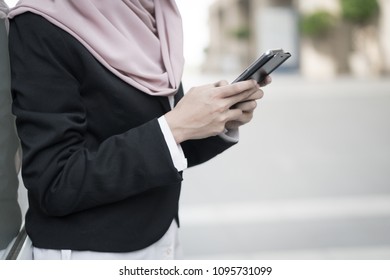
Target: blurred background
{"x": 310, "y": 177}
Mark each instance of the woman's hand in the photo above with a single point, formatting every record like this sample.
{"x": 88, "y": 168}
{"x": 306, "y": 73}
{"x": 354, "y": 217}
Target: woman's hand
{"x": 247, "y": 107}
{"x": 207, "y": 110}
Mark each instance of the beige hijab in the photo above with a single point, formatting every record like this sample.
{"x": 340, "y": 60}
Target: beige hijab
{"x": 140, "y": 41}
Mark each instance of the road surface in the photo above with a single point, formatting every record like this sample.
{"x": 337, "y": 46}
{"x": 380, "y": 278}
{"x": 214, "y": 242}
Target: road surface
{"x": 309, "y": 179}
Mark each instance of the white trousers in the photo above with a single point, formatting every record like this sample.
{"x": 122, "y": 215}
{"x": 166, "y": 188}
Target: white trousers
{"x": 167, "y": 248}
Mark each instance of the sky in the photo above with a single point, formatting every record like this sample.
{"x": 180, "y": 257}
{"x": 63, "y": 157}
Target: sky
{"x": 195, "y": 25}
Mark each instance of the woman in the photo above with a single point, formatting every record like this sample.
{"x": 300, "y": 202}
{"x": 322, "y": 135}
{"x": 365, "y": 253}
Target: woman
{"x": 94, "y": 84}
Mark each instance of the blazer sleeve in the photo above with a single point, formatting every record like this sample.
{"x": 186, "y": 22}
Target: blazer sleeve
{"x": 61, "y": 173}
{"x": 200, "y": 151}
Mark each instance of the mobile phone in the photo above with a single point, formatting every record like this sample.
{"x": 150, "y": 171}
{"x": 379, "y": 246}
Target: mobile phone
{"x": 264, "y": 65}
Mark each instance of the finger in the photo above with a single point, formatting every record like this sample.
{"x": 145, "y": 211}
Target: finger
{"x": 221, "y": 83}
{"x": 246, "y": 117}
{"x": 233, "y": 125}
{"x": 213, "y": 85}
{"x": 233, "y": 114}
{"x": 258, "y": 94}
{"x": 249, "y": 96}
{"x": 246, "y": 106}
{"x": 266, "y": 81}
{"x": 236, "y": 88}
{"x": 240, "y": 119}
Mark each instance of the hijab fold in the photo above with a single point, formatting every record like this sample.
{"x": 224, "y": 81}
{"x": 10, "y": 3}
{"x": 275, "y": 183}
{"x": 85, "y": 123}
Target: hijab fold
{"x": 140, "y": 41}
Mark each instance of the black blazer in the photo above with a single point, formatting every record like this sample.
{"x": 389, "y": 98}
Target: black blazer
{"x": 97, "y": 168}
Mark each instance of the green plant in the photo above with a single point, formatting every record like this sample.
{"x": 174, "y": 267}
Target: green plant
{"x": 317, "y": 24}
{"x": 241, "y": 33}
{"x": 359, "y": 11}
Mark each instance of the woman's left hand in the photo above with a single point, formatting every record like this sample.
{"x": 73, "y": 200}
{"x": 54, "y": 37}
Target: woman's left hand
{"x": 247, "y": 107}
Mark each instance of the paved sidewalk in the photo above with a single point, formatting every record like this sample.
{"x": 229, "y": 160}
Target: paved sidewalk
{"x": 309, "y": 179}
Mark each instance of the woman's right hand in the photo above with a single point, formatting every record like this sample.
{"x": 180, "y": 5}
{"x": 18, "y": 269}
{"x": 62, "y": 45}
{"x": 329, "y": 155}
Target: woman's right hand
{"x": 205, "y": 110}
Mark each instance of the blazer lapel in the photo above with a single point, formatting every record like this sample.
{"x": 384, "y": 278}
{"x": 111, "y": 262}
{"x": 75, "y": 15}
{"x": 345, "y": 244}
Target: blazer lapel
{"x": 164, "y": 103}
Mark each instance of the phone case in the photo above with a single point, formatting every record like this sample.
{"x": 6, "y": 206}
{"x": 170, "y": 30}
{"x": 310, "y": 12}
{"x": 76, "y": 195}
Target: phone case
{"x": 264, "y": 65}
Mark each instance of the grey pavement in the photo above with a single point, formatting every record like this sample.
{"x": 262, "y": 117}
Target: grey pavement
{"x": 309, "y": 179}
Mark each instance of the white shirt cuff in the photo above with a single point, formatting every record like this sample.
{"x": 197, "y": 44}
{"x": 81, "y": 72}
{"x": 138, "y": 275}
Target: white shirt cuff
{"x": 177, "y": 154}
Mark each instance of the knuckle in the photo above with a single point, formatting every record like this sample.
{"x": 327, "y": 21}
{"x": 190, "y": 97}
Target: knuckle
{"x": 254, "y": 104}
{"x": 261, "y": 93}
{"x": 249, "y": 106}
{"x": 220, "y": 107}
{"x": 217, "y": 108}
{"x": 222, "y": 119}
{"x": 239, "y": 87}
{"x": 223, "y": 83}
{"x": 216, "y": 93}
{"x": 247, "y": 117}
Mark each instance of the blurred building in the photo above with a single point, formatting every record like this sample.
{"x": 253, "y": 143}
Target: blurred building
{"x": 240, "y": 30}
